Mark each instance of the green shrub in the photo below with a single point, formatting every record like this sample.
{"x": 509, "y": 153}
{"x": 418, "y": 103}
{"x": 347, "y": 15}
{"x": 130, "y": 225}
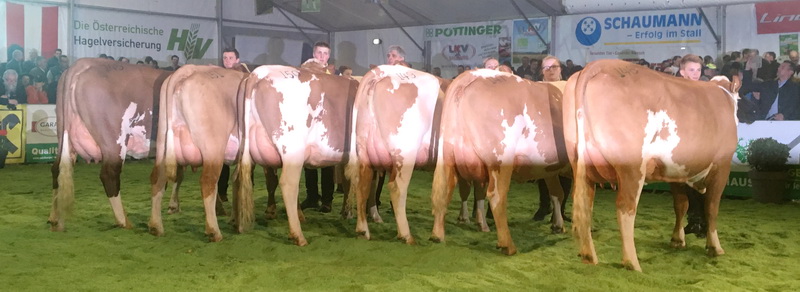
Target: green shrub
{"x": 767, "y": 154}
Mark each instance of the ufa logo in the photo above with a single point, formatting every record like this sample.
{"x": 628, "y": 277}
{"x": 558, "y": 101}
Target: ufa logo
{"x": 188, "y": 42}
{"x": 588, "y": 31}
{"x": 458, "y": 52}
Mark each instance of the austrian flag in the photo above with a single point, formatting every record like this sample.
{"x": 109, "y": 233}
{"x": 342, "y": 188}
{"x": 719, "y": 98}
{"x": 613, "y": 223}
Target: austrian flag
{"x": 30, "y": 27}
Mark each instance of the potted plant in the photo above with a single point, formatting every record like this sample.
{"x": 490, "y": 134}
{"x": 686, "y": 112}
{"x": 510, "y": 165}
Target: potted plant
{"x": 768, "y": 170}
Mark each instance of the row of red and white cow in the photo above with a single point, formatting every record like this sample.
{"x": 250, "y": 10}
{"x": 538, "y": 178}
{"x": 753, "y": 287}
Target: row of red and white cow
{"x": 620, "y": 124}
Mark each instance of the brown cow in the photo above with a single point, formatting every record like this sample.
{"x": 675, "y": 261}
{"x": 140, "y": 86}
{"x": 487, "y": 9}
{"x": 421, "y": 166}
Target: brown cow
{"x": 292, "y": 118}
{"x": 393, "y": 116}
{"x": 104, "y": 112}
{"x": 672, "y": 129}
{"x": 496, "y": 125}
{"x": 188, "y": 136}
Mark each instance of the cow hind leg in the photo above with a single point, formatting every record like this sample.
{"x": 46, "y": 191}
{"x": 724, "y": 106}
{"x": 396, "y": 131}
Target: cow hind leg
{"x": 109, "y": 175}
{"x": 208, "y": 188}
{"x": 364, "y": 191}
{"x": 480, "y": 206}
{"x": 289, "y": 182}
{"x": 631, "y": 182}
{"x": 497, "y": 191}
{"x": 398, "y": 187}
{"x": 372, "y": 205}
{"x": 444, "y": 180}
{"x": 583, "y": 199}
{"x": 63, "y": 187}
{"x": 463, "y": 190}
{"x": 174, "y": 199}
{"x": 272, "y": 185}
{"x": 680, "y": 204}
{"x": 556, "y": 197}
{"x": 713, "y": 195}
{"x": 158, "y": 182}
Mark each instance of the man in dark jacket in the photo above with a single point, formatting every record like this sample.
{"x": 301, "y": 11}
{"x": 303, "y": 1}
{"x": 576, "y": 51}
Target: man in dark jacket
{"x": 780, "y": 99}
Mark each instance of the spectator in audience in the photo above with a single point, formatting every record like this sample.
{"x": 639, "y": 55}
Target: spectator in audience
{"x": 39, "y": 72}
{"x": 139, "y": 62}
{"x": 459, "y": 70}
{"x": 437, "y": 72}
{"x": 124, "y": 60}
{"x": 491, "y": 63}
{"x": 769, "y": 67}
{"x": 110, "y": 58}
{"x": 779, "y": 99}
{"x": 53, "y": 61}
{"x": 11, "y": 93}
{"x": 230, "y": 60}
{"x": 30, "y": 63}
{"x": 148, "y": 60}
{"x": 525, "y": 68}
{"x": 536, "y": 70}
{"x": 154, "y": 64}
{"x": 53, "y": 75}
{"x": 794, "y": 58}
{"x": 174, "y": 63}
{"x": 34, "y": 90}
{"x": 16, "y": 62}
{"x": 346, "y": 71}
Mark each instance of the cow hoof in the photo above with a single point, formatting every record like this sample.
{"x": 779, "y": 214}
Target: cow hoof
{"x": 214, "y": 237}
{"x": 484, "y": 227}
{"x": 363, "y": 234}
{"x": 436, "y": 239}
{"x": 271, "y": 212}
{"x": 587, "y": 259}
{"x": 157, "y": 231}
{"x": 714, "y": 252}
{"x": 300, "y": 241}
{"x": 126, "y": 225}
{"x": 509, "y": 250}
{"x": 408, "y": 240}
{"x": 347, "y": 215}
{"x": 677, "y": 243}
{"x": 463, "y": 220}
{"x": 557, "y": 229}
{"x": 55, "y": 227}
{"x": 173, "y": 210}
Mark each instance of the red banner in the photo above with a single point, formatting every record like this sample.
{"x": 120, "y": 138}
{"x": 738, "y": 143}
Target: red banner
{"x": 776, "y": 17}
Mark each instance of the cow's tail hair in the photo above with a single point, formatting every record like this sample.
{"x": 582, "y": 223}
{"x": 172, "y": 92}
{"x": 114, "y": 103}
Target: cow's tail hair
{"x": 243, "y": 205}
{"x": 63, "y": 184}
{"x": 582, "y": 205}
{"x": 168, "y": 95}
{"x": 364, "y": 94}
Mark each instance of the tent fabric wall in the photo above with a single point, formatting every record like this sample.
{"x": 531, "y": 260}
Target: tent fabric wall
{"x": 355, "y": 48}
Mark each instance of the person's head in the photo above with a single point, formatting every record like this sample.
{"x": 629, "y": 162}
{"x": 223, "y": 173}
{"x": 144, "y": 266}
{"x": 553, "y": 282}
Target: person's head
{"x": 505, "y": 68}
{"x": 786, "y": 70}
{"x": 437, "y": 71}
{"x": 346, "y": 71}
{"x": 41, "y": 62}
{"x": 124, "y": 60}
{"x": 395, "y": 54}
{"x": 10, "y": 79}
{"x": 551, "y": 69}
{"x": 32, "y": 54}
{"x": 736, "y": 56}
{"x": 322, "y": 52}
{"x": 770, "y": 56}
{"x": 139, "y": 62}
{"x": 104, "y": 56}
{"x": 676, "y": 60}
{"x": 57, "y": 53}
{"x": 746, "y": 54}
{"x": 175, "y": 59}
{"x": 534, "y": 63}
{"x": 570, "y": 64}
{"x": 63, "y": 61}
{"x": 18, "y": 56}
{"x": 691, "y": 67}
{"x": 491, "y": 63}
{"x": 110, "y": 58}
{"x": 25, "y": 80}
{"x": 148, "y": 60}
{"x": 708, "y": 59}
{"x": 468, "y": 67}
{"x": 794, "y": 56}
{"x": 526, "y": 61}
{"x": 154, "y": 64}
{"x": 230, "y": 57}
{"x": 460, "y": 69}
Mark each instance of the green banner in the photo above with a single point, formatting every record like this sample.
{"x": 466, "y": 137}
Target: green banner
{"x": 41, "y": 153}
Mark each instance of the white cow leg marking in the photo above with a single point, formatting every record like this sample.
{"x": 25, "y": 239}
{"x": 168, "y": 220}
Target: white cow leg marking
{"x": 463, "y": 215}
{"x": 119, "y": 211}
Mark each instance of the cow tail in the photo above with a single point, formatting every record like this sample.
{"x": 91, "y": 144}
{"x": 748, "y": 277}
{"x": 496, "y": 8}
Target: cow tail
{"x": 582, "y": 201}
{"x": 63, "y": 184}
{"x": 365, "y": 93}
{"x": 168, "y": 96}
{"x": 243, "y": 205}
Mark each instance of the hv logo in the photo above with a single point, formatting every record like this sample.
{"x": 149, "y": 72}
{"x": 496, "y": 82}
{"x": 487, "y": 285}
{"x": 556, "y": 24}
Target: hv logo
{"x": 187, "y": 41}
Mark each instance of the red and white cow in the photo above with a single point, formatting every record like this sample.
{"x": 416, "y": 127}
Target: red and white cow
{"x": 393, "y": 118}
{"x": 104, "y": 112}
{"x": 292, "y": 118}
{"x": 627, "y": 125}
{"x": 198, "y": 126}
{"x": 496, "y": 126}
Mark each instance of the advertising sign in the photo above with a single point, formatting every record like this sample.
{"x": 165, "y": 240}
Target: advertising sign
{"x": 12, "y": 134}
{"x": 467, "y": 44}
{"x": 41, "y": 141}
{"x": 777, "y": 17}
{"x": 98, "y": 32}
